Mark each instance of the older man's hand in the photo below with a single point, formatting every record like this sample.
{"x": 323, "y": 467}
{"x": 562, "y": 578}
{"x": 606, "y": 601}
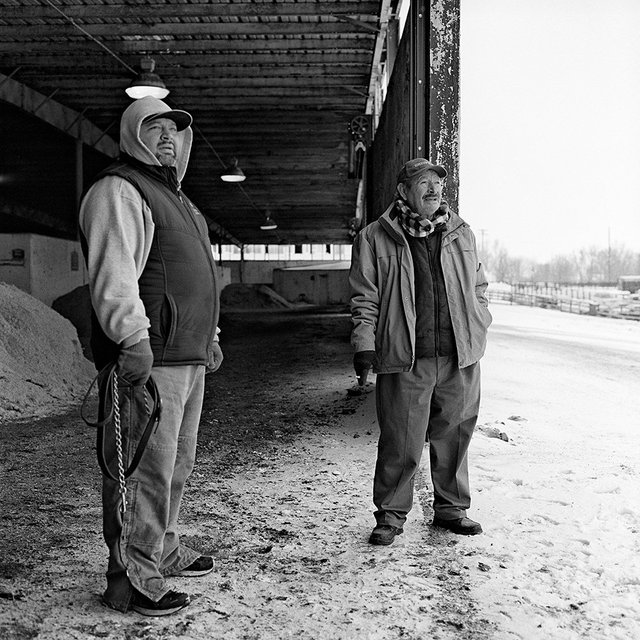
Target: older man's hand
{"x": 363, "y": 362}
{"x": 215, "y": 356}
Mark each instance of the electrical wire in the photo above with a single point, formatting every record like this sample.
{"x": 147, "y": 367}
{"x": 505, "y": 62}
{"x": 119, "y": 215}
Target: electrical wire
{"x": 86, "y": 33}
{"x": 128, "y": 67}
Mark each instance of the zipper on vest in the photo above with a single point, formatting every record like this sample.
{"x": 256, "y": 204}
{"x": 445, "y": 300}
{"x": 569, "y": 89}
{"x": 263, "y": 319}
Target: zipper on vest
{"x": 403, "y": 250}
{"x": 436, "y": 297}
{"x": 193, "y": 213}
{"x": 190, "y": 209}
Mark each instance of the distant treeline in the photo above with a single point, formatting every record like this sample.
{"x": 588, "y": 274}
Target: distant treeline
{"x": 590, "y": 265}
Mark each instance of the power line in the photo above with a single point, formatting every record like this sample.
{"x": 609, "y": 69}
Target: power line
{"x": 129, "y": 68}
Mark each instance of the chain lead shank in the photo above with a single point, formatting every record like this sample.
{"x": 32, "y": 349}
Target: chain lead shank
{"x": 122, "y": 490}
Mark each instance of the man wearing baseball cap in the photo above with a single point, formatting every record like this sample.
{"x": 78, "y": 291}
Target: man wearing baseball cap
{"x": 420, "y": 318}
{"x": 155, "y": 307}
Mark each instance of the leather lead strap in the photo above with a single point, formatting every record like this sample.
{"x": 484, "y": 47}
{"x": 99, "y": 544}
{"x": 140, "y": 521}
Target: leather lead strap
{"x": 106, "y": 379}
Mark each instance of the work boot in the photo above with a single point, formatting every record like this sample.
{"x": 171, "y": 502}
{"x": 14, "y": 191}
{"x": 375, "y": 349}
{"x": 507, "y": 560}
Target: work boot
{"x": 461, "y": 526}
{"x": 384, "y": 534}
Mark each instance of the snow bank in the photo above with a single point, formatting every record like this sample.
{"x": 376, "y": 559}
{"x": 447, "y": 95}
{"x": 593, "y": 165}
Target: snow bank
{"x": 42, "y": 368}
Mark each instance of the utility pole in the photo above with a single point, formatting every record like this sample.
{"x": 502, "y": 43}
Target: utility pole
{"x": 608, "y": 255}
{"x": 482, "y": 234}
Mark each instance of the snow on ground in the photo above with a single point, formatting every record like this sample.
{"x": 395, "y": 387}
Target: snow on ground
{"x": 555, "y": 480}
{"x": 555, "y": 484}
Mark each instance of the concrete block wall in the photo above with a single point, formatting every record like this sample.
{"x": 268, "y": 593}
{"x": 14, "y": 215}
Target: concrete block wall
{"x": 321, "y": 285}
{"x": 261, "y": 271}
{"x": 43, "y": 267}
{"x": 48, "y": 268}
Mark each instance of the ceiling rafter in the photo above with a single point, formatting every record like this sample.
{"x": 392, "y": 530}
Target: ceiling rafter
{"x": 197, "y": 63}
{"x": 156, "y": 10}
{"x": 177, "y": 47}
{"x": 176, "y": 30}
{"x": 57, "y": 115}
{"x": 273, "y": 84}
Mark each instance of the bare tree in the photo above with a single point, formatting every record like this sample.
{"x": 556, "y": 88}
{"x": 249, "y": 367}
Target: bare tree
{"x": 588, "y": 265}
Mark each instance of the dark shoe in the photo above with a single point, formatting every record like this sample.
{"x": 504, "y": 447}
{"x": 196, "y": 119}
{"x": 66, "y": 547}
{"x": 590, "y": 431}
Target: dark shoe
{"x": 170, "y": 602}
{"x": 199, "y": 567}
{"x": 461, "y": 526}
{"x": 384, "y": 534}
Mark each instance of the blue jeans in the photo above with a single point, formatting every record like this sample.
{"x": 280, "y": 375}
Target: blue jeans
{"x": 437, "y": 401}
{"x": 144, "y": 546}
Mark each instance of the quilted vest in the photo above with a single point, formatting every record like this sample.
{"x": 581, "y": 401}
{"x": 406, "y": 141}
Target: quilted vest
{"x": 179, "y": 284}
{"x": 434, "y": 331}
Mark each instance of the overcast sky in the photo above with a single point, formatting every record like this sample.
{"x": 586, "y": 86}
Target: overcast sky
{"x": 550, "y": 124}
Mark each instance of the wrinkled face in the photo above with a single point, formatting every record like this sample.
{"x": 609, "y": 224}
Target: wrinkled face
{"x": 159, "y": 136}
{"x": 423, "y": 194}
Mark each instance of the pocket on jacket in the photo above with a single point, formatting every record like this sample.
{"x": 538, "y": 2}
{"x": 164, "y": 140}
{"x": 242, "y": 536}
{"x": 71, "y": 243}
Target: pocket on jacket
{"x": 388, "y": 267}
{"x": 461, "y": 245}
{"x": 169, "y": 319}
{"x": 485, "y": 316}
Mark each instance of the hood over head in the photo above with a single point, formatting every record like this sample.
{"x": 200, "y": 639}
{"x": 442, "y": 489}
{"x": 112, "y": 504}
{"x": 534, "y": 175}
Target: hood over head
{"x": 144, "y": 109}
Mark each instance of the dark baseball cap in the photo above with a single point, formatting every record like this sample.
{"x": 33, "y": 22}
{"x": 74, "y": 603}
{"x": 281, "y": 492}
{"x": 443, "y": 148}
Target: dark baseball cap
{"x": 417, "y": 167}
{"x": 181, "y": 118}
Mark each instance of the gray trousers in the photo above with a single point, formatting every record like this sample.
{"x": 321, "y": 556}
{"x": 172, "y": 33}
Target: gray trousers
{"x": 144, "y": 546}
{"x": 435, "y": 401}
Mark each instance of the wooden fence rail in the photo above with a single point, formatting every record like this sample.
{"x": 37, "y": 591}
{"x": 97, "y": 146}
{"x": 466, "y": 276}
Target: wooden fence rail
{"x": 622, "y": 307}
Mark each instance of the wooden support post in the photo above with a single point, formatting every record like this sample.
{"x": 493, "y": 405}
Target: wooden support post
{"x": 420, "y": 117}
{"x": 444, "y": 91}
{"x": 418, "y": 78}
{"x": 79, "y": 170}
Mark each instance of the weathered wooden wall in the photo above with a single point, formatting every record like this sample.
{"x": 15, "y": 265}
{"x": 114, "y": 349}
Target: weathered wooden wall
{"x": 420, "y": 104}
{"x": 444, "y": 92}
{"x": 391, "y": 147}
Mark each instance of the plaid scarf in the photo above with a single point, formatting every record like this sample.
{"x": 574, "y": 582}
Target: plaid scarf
{"x": 419, "y": 227}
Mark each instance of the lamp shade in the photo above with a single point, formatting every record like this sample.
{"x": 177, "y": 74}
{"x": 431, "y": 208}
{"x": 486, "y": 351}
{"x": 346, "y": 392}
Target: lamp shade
{"x": 269, "y": 224}
{"x": 233, "y": 173}
{"x": 147, "y": 83}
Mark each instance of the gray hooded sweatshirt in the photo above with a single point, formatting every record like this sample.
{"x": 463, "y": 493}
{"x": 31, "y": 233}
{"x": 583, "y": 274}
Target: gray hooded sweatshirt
{"x": 128, "y": 247}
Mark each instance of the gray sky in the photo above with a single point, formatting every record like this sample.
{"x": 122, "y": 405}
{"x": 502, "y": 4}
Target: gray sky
{"x": 550, "y": 124}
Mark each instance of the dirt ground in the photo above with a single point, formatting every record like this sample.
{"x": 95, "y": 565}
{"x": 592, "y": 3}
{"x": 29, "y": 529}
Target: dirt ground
{"x": 281, "y": 497}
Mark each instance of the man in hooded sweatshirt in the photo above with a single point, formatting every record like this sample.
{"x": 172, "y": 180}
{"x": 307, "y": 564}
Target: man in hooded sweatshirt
{"x": 155, "y": 299}
{"x": 420, "y": 320}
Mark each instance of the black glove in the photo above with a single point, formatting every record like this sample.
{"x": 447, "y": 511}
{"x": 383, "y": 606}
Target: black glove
{"x": 215, "y": 357}
{"x": 363, "y": 361}
{"x": 135, "y": 362}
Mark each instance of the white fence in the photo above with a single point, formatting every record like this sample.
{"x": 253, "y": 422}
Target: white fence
{"x": 587, "y": 300}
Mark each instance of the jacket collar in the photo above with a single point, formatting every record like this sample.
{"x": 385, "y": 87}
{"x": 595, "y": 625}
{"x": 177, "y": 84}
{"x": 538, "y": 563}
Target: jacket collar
{"x": 393, "y": 228}
{"x": 166, "y": 175}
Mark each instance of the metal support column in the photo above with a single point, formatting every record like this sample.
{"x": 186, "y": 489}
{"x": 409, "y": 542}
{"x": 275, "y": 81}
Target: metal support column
{"x": 419, "y": 21}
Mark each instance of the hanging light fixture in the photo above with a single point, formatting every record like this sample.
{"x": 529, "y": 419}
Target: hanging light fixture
{"x": 269, "y": 223}
{"x": 233, "y": 173}
{"x": 147, "y": 82}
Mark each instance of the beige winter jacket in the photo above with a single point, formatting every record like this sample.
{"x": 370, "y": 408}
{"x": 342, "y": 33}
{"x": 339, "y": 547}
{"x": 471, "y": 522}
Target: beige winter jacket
{"x": 383, "y": 294}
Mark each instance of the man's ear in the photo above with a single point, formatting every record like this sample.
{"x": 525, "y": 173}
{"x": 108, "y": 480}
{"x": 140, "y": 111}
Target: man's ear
{"x": 402, "y": 190}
